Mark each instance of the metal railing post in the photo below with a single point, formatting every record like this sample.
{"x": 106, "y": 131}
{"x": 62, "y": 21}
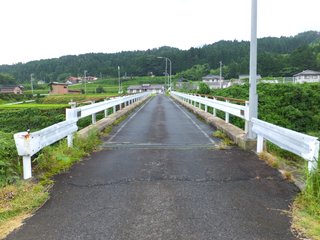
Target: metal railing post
{"x": 27, "y": 170}
{"x": 227, "y": 116}
{"x": 106, "y": 110}
{"x": 70, "y": 114}
{"x": 259, "y": 144}
{"x": 246, "y": 123}
{"x": 94, "y": 116}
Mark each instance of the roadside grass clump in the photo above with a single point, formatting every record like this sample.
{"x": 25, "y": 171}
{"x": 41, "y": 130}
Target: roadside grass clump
{"x": 10, "y": 165}
{"x": 270, "y": 159}
{"x": 17, "y": 201}
{"x": 306, "y": 208}
{"x": 226, "y": 141}
{"x": 57, "y": 158}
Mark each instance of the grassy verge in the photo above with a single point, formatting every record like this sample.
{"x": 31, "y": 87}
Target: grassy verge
{"x": 306, "y": 206}
{"x": 19, "y": 200}
{"x": 225, "y": 140}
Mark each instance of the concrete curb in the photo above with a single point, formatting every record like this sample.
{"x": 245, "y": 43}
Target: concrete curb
{"x": 105, "y": 122}
{"x": 236, "y": 134}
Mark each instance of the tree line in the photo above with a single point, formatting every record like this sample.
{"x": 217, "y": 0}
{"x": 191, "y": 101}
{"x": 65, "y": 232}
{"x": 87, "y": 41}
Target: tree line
{"x": 282, "y": 56}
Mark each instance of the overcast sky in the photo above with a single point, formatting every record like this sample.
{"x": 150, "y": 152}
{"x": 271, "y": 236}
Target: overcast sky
{"x": 41, "y": 29}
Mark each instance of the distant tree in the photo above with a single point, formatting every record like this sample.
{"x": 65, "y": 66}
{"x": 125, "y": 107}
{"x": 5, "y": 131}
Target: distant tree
{"x": 100, "y": 89}
{"x": 7, "y": 79}
{"x": 203, "y": 88}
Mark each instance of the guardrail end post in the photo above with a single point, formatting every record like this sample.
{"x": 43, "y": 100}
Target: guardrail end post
{"x": 27, "y": 170}
{"x": 70, "y": 140}
{"x": 259, "y": 144}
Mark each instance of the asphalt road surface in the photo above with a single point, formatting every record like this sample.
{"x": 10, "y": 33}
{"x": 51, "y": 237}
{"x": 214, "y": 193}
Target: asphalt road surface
{"x": 160, "y": 175}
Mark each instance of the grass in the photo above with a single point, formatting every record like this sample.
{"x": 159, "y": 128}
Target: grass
{"x": 19, "y": 200}
{"x": 33, "y": 105}
{"x": 22, "y": 198}
{"x": 226, "y": 141}
{"x": 306, "y": 206}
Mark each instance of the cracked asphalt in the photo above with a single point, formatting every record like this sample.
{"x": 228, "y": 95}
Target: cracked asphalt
{"x": 160, "y": 175}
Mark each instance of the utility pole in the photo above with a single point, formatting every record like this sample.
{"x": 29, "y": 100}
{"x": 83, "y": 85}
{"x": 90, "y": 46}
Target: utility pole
{"x": 85, "y": 81}
{"x": 253, "y": 97}
{"x": 220, "y": 74}
{"x": 31, "y": 80}
{"x": 119, "y": 91}
{"x": 166, "y": 78}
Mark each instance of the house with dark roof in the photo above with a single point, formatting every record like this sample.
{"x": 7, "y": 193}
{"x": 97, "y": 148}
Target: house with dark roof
{"x": 307, "y": 76}
{"x": 11, "y": 89}
{"x": 146, "y": 88}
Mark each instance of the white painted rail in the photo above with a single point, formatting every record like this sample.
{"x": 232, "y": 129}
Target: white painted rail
{"x": 227, "y": 107}
{"x": 28, "y": 144}
{"x": 301, "y": 144}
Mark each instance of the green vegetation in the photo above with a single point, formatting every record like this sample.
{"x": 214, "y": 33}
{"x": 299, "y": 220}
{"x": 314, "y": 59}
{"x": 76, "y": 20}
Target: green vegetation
{"x": 283, "y": 56}
{"x": 306, "y": 209}
{"x": 23, "y": 197}
{"x": 294, "y": 106}
{"x": 225, "y": 140}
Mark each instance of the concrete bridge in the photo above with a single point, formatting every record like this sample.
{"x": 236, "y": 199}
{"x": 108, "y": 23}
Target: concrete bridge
{"x": 162, "y": 175}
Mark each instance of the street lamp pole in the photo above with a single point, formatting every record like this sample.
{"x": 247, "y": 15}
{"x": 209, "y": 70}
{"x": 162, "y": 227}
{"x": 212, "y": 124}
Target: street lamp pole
{"x": 253, "y": 97}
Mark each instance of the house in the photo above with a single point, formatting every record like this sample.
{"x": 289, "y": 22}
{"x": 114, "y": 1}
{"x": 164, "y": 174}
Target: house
{"x": 61, "y": 88}
{"x": 146, "y": 88}
{"x": 246, "y": 76}
{"x": 12, "y": 89}
{"x": 219, "y": 84}
{"x": 306, "y": 76}
{"x": 41, "y": 82}
{"x": 73, "y": 80}
{"x": 211, "y": 78}
{"x": 214, "y": 82}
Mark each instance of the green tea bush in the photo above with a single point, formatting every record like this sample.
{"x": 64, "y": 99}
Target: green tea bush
{"x": 10, "y": 166}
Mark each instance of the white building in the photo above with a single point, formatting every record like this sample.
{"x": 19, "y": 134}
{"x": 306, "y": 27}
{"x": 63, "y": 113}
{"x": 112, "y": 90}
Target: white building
{"x": 146, "y": 88}
{"x": 307, "y": 76}
{"x": 211, "y": 78}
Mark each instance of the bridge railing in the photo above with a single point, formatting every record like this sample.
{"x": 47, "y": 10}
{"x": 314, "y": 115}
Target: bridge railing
{"x": 28, "y": 144}
{"x": 241, "y": 111}
{"x": 301, "y": 144}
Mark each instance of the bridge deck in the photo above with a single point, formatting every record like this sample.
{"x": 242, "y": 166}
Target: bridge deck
{"x": 160, "y": 175}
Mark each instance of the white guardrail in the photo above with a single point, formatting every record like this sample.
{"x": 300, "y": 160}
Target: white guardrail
{"x": 301, "y": 144}
{"x": 227, "y": 107}
{"x": 28, "y": 144}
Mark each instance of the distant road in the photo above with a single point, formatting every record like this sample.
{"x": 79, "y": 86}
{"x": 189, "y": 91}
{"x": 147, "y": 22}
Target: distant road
{"x": 160, "y": 175}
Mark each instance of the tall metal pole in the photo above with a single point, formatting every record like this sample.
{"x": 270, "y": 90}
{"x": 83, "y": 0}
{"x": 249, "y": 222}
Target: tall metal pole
{"x": 85, "y": 81}
{"x": 253, "y": 97}
{"x": 220, "y": 74}
{"x": 166, "y": 78}
{"x": 31, "y": 80}
{"x": 170, "y": 70}
{"x": 119, "y": 80}
{"x": 170, "y": 73}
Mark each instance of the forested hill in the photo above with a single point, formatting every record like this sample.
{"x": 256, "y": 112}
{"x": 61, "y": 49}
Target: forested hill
{"x": 276, "y": 57}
